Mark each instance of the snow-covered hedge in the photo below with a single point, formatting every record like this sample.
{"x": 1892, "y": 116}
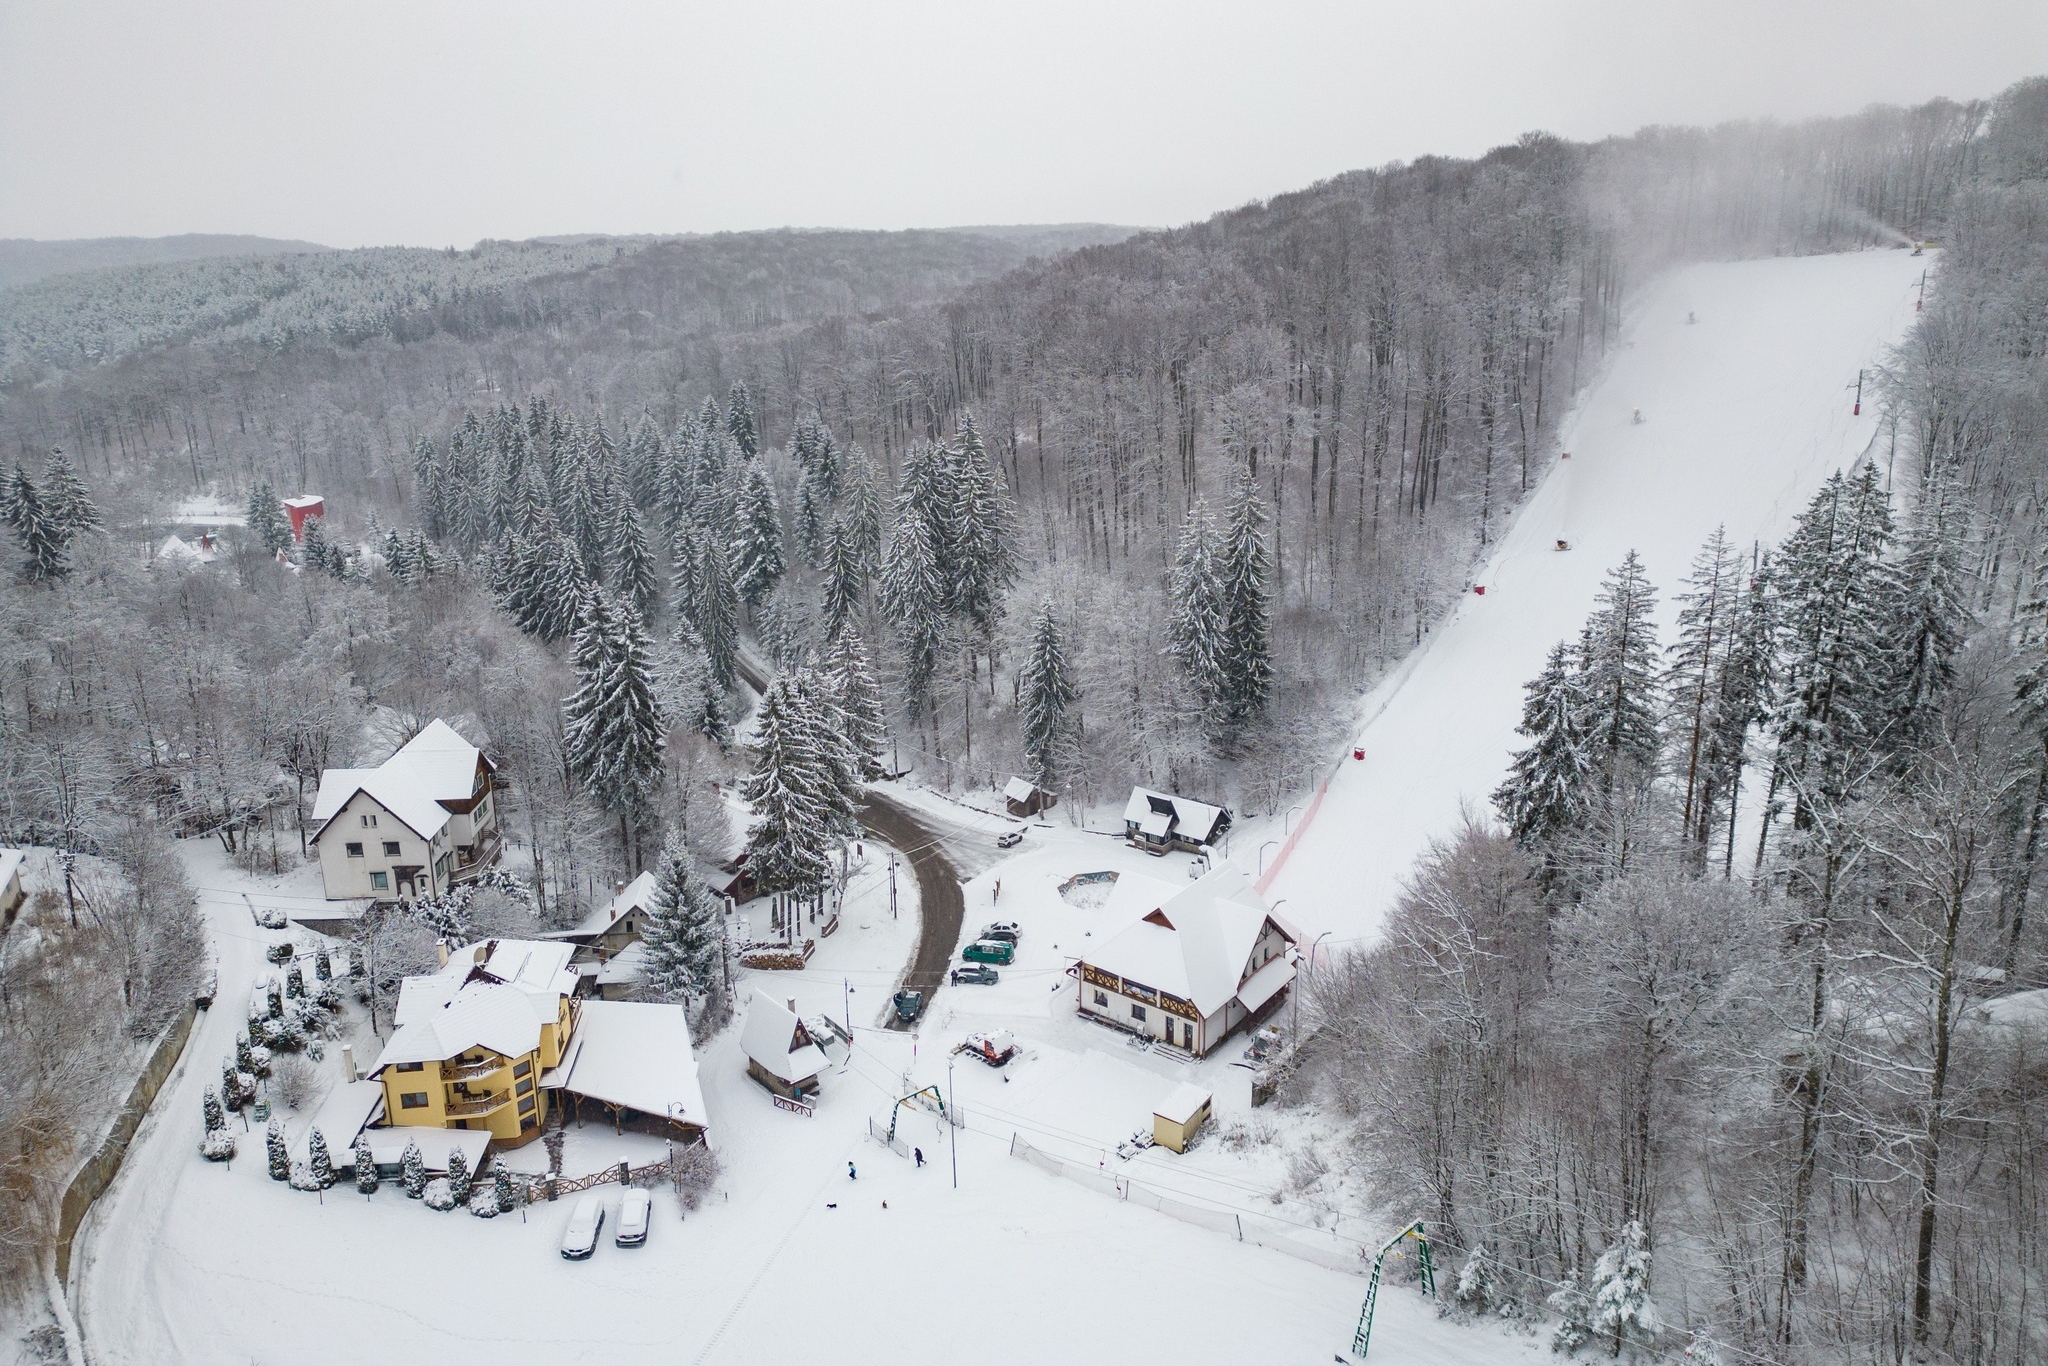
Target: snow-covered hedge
{"x": 303, "y": 1178}
{"x": 439, "y": 1194}
{"x": 483, "y": 1203}
{"x": 219, "y": 1145}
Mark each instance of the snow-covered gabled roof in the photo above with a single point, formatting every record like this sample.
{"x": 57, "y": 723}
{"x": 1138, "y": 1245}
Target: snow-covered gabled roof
{"x": 775, "y": 1038}
{"x": 637, "y": 896}
{"x": 635, "y": 1054}
{"x": 626, "y": 967}
{"x": 1197, "y": 945}
{"x": 11, "y": 862}
{"x": 1181, "y": 1103}
{"x": 1019, "y": 789}
{"x": 481, "y": 1015}
{"x": 433, "y": 767}
{"x": 1196, "y": 820}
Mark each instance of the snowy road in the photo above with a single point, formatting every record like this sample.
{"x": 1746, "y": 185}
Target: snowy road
{"x": 1745, "y": 412}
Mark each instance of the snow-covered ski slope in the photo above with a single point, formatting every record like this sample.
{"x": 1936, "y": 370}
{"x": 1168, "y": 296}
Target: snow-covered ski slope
{"x": 1745, "y": 412}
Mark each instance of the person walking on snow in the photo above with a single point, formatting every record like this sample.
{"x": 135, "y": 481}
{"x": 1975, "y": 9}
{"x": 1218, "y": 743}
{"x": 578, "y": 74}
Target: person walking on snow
{"x": 850, "y": 1173}
{"x": 918, "y": 1153}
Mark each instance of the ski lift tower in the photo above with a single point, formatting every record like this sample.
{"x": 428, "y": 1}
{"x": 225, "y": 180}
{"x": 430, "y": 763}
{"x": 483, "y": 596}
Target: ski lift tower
{"x": 1424, "y": 1265}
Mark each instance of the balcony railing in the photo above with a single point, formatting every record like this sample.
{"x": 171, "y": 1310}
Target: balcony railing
{"x": 482, "y": 1105}
{"x": 471, "y": 1070}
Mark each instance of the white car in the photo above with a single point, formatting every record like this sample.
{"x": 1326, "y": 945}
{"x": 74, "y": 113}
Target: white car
{"x": 579, "y": 1239}
{"x": 634, "y": 1210}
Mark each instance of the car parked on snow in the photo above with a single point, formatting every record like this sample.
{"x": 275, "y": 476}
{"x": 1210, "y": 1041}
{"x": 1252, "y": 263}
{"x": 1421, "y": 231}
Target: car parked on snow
{"x": 579, "y": 1239}
{"x": 1009, "y": 839}
{"x": 909, "y": 1005}
{"x": 976, "y": 974}
{"x": 990, "y": 951}
{"x": 634, "y": 1212}
{"x": 1008, "y": 930}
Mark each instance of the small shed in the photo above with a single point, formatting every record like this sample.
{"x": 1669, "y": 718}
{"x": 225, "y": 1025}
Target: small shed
{"x": 1180, "y": 1117}
{"x": 781, "y": 1053}
{"x": 300, "y": 508}
{"x": 1026, "y": 798}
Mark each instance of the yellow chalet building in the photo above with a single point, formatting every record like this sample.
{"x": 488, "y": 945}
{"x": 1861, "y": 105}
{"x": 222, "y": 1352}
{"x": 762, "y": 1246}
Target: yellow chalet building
{"x": 414, "y": 826}
{"x": 474, "y": 1039}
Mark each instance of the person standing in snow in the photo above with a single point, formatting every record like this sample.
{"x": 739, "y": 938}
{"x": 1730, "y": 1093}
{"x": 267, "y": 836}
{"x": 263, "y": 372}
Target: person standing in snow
{"x": 851, "y": 1175}
{"x": 918, "y": 1153}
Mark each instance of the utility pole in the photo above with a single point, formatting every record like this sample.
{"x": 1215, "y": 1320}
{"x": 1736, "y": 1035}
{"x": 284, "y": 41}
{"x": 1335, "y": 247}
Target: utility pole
{"x": 952, "y": 1123}
{"x": 892, "y": 886}
{"x": 846, "y": 1008}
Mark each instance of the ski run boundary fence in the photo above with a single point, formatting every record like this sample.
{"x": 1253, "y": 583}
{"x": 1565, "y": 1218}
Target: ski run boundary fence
{"x": 1340, "y": 1254}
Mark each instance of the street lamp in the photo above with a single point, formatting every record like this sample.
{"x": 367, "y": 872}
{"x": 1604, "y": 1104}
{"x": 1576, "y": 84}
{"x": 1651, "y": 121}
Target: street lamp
{"x": 1313, "y": 945}
{"x": 1262, "y": 855}
{"x": 952, "y": 1123}
{"x": 1286, "y": 820}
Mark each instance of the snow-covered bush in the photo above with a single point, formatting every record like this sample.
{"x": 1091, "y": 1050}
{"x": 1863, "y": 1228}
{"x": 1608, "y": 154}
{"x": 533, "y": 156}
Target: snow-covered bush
{"x": 218, "y": 1145}
{"x": 694, "y": 1171}
{"x": 259, "y": 1061}
{"x": 1476, "y": 1290}
{"x": 458, "y": 1177}
{"x": 303, "y": 1178}
{"x": 1622, "y": 1307}
{"x": 279, "y": 1155}
{"x": 412, "y": 1170}
{"x": 296, "y": 1082}
{"x": 439, "y": 1194}
{"x": 483, "y": 1203}
{"x": 209, "y": 1107}
{"x": 285, "y": 1034}
{"x": 323, "y": 965}
{"x": 319, "y": 1159}
{"x": 366, "y": 1166}
{"x": 294, "y": 982}
{"x": 1574, "y": 1317}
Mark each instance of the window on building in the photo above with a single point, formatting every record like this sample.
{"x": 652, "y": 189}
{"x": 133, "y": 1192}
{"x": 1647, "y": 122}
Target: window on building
{"x": 369, "y": 821}
{"x": 411, "y": 1066}
{"x": 1102, "y": 998}
{"x": 526, "y": 1106}
{"x": 380, "y": 882}
{"x": 390, "y": 848}
{"x": 1137, "y": 1012}
{"x": 526, "y": 1087}
{"x": 413, "y": 1100}
{"x": 528, "y": 1122}
{"x": 483, "y": 811}
{"x": 525, "y": 1066}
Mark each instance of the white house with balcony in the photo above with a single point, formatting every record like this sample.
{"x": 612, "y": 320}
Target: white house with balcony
{"x": 414, "y": 826}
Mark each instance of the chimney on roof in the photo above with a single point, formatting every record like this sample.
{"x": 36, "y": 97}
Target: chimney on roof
{"x": 441, "y": 951}
{"x": 348, "y": 1062}
{"x": 619, "y": 887}
{"x": 792, "y": 1005}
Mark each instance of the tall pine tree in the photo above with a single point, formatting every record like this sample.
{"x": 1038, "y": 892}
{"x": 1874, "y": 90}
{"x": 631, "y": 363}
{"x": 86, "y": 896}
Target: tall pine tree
{"x": 685, "y": 934}
{"x": 1621, "y": 675}
{"x": 1046, "y": 697}
{"x": 613, "y": 729}
{"x": 757, "y": 561}
{"x": 1244, "y": 566}
{"x": 1548, "y": 788}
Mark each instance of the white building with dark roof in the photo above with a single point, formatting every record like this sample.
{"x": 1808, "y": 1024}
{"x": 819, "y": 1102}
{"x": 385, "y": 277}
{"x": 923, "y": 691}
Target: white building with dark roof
{"x": 414, "y": 826}
{"x": 1194, "y": 969}
{"x": 1159, "y": 821}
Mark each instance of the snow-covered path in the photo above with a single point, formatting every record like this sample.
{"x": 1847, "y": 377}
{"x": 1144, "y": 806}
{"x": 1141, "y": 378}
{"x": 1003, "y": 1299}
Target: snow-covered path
{"x": 1745, "y": 412}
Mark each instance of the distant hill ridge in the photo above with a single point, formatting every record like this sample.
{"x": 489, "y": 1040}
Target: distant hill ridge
{"x": 26, "y": 259}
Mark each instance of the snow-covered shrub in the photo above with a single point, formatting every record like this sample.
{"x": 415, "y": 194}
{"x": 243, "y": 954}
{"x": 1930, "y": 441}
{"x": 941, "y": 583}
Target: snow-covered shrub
{"x": 1574, "y": 1317}
{"x": 294, "y": 982}
{"x": 694, "y": 1171}
{"x": 296, "y": 1082}
{"x": 279, "y": 953}
{"x": 303, "y": 1178}
{"x": 412, "y": 1170}
{"x": 285, "y": 1035}
{"x": 328, "y": 997}
{"x": 323, "y": 966}
{"x": 1622, "y": 1307}
{"x": 366, "y": 1166}
{"x": 209, "y": 1107}
{"x": 259, "y": 1061}
{"x": 1476, "y": 1290}
{"x": 483, "y": 1203}
{"x": 218, "y": 1145}
{"x": 319, "y": 1159}
{"x": 271, "y": 918}
{"x": 279, "y": 1155}
{"x": 458, "y": 1177}
{"x": 439, "y": 1194}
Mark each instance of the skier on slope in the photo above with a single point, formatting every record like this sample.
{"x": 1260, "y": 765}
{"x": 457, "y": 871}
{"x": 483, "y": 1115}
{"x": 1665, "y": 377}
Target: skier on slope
{"x": 1639, "y": 417}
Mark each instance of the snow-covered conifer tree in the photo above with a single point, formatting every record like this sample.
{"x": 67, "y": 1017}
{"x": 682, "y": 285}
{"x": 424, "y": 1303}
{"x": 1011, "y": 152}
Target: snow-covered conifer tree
{"x": 1706, "y": 625}
{"x": 717, "y": 614}
{"x": 633, "y": 563}
{"x": 1621, "y": 706}
{"x": 44, "y": 540}
{"x": 366, "y": 1165}
{"x": 1476, "y": 1282}
{"x": 858, "y": 698}
{"x": 1574, "y": 1317}
{"x": 612, "y": 728}
{"x": 983, "y": 560}
{"x": 319, "y": 1159}
{"x": 685, "y": 934}
{"x": 846, "y": 578}
{"x": 267, "y": 520}
{"x": 1930, "y": 613}
{"x": 412, "y": 1170}
{"x": 914, "y": 595}
{"x": 1243, "y": 566}
{"x": 209, "y": 1106}
{"x": 1547, "y": 789}
{"x": 1622, "y": 1309}
{"x": 279, "y": 1156}
{"x": 860, "y": 506}
{"x": 459, "y": 1181}
{"x": 740, "y": 424}
{"x": 792, "y": 829}
{"x": 66, "y": 499}
{"x": 757, "y": 540}
{"x": 1194, "y": 623}
{"x": 1046, "y": 693}
{"x": 501, "y": 1183}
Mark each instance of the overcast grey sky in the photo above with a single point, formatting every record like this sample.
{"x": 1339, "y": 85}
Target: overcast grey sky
{"x": 425, "y": 122}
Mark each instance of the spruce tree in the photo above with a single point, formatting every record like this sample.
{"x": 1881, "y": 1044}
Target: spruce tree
{"x": 1930, "y": 613}
{"x": 1742, "y": 691}
{"x": 1195, "y": 612}
{"x": 501, "y": 1183}
{"x": 739, "y": 420}
{"x": 66, "y": 499}
{"x": 412, "y": 1170}
{"x": 46, "y": 543}
{"x": 691, "y": 694}
{"x": 210, "y": 1108}
{"x": 279, "y": 1156}
{"x": 313, "y": 548}
{"x": 267, "y": 520}
{"x": 858, "y": 698}
{"x": 1547, "y": 789}
{"x": 1243, "y": 568}
{"x": 366, "y": 1165}
{"x": 613, "y": 729}
{"x": 1046, "y": 695}
{"x": 685, "y": 933}
{"x": 983, "y": 560}
{"x": 841, "y": 770}
{"x": 11, "y": 486}
{"x": 1706, "y": 625}
{"x": 757, "y": 542}
{"x": 913, "y": 595}
{"x": 845, "y": 578}
{"x": 1621, "y": 675}
{"x": 860, "y": 506}
{"x": 791, "y": 833}
{"x": 718, "y": 611}
{"x": 1619, "y": 1291}
{"x": 633, "y": 565}
{"x": 458, "y": 1176}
